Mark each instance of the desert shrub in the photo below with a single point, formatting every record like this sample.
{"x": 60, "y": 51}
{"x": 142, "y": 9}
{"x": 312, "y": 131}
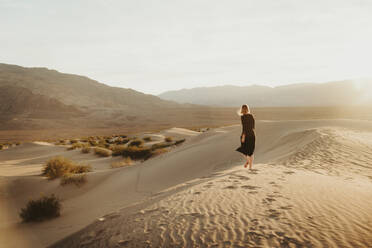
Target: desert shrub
{"x": 74, "y": 141}
{"x": 77, "y": 145}
{"x": 180, "y": 141}
{"x": 158, "y": 152}
{"x": 122, "y": 141}
{"x": 18, "y": 143}
{"x": 102, "y": 143}
{"x": 59, "y": 166}
{"x": 136, "y": 142}
{"x": 168, "y": 139}
{"x": 160, "y": 145}
{"x": 1, "y": 146}
{"x": 125, "y": 162}
{"x": 117, "y": 150}
{"x": 61, "y": 142}
{"x": 76, "y": 179}
{"x": 92, "y": 142}
{"x": 102, "y": 152}
{"x": 147, "y": 139}
{"x": 79, "y": 169}
{"x": 135, "y": 152}
{"x": 46, "y": 207}
{"x": 86, "y": 150}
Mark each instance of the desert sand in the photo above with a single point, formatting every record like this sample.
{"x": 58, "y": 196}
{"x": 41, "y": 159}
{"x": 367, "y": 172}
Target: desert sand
{"x": 311, "y": 186}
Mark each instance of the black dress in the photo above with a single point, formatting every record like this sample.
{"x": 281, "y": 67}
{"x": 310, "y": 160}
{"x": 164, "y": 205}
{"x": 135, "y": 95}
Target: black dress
{"x": 248, "y": 123}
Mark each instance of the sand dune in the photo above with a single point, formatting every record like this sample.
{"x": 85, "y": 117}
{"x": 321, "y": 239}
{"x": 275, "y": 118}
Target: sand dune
{"x": 311, "y": 187}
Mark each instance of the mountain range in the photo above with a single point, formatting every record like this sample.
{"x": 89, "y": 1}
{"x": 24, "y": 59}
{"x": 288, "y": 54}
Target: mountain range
{"x": 339, "y": 93}
{"x": 40, "y": 98}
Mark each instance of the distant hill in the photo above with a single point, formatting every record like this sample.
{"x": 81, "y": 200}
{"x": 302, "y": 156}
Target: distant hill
{"x": 40, "y": 99}
{"x": 21, "y": 101}
{"x": 307, "y": 94}
{"x": 74, "y": 89}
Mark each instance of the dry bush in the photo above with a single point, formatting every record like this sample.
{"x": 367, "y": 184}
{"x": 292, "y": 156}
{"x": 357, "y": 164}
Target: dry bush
{"x": 102, "y": 152}
{"x": 77, "y": 145}
{"x": 180, "y": 141}
{"x": 86, "y": 150}
{"x": 168, "y": 139}
{"x": 76, "y": 179}
{"x": 59, "y": 166}
{"x": 1, "y": 146}
{"x": 136, "y": 153}
{"x": 117, "y": 150}
{"x": 160, "y": 145}
{"x": 46, "y": 207}
{"x": 157, "y": 152}
{"x": 136, "y": 142}
{"x": 147, "y": 139}
{"x": 122, "y": 141}
{"x": 125, "y": 162}
{"x": 80, "y": 168}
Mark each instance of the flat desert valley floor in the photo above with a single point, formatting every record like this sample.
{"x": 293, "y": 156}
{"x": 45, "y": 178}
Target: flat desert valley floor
{"x": 311, "y": 186}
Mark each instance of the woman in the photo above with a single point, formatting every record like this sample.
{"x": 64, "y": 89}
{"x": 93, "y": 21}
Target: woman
{"x": 248, "y": 137}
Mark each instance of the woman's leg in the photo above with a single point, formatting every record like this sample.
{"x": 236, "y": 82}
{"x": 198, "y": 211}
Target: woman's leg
{"x": 251, "y": 161}
{"x": 247, "y": 160}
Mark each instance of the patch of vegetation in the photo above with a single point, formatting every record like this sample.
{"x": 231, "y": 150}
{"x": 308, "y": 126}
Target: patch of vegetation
{"x": 74, "y": 141}
{"x": 59, "y": 166}
{"x": 46, "y": 207}
{"x": 180, "y": 141}
{"x": 86, "y": 150}
{"x": 1, "y": 146}
{"x": 158, "y": 152}
{"x": 76, "y": 179}
{"x": 147, "y": 139}
{"x": 102, "y": 152}
{"x": 160, "y": 145}
{"x": 136, "y": 153}
{"x": 168, "y": 139}
{"x": 76, "y": 146}
{"x": 117, "y": 150}
{"x": 122, "y": 141}
{"x": 136, "y": 142}
{"x": 125, "y": 162}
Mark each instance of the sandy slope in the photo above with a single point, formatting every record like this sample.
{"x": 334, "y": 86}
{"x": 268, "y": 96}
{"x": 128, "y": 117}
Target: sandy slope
{"x": 311, "y": 187}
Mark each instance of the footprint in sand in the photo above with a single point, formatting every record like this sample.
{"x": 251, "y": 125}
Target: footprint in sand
{"x": 230, "y": 187}
{"x": 269, "y": 199}
{"x": 288, "y": 207}
{"x": 241, "y": 177}
{"x": 250, "y": 187}
{"x": 273, "y": 214}
{"x": 253, "y": 171}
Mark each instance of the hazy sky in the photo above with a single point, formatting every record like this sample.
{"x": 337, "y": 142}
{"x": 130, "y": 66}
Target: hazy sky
{"x": 154, "y": 46}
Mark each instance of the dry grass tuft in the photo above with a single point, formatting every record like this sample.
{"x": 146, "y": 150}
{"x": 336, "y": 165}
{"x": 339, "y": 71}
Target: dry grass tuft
{"x": 102, "y": 152}
{"x": 59, "y": 166}
{"x": 136, "y": 153}
{"x": 123, "y": 163}
{"x": 180, "y": 141}
{"x": 136, "y": 142}
{"x": 46, "y": 207}
{"x": 76, "y": 179}
{"x": 86, "y": 150}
